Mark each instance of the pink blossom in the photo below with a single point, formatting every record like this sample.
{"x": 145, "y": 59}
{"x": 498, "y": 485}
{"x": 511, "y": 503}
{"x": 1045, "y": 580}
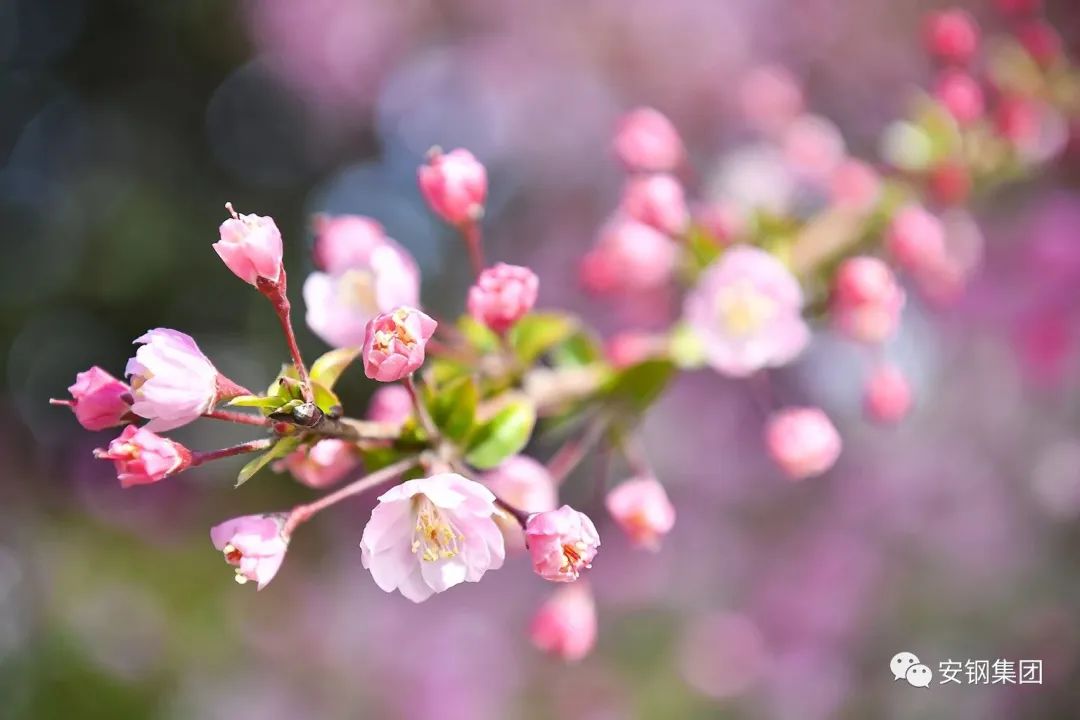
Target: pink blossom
{"x": 723, "y": 221}
{"x": 961, "y": 95}
{"x": 1042, "y": 42}
{"x": 425, "y": 536}
{"x": 561, "y": 543}
{"x": 855, "y": 185}
{"x": 887, "y": 395}
{"x": 770, "y": 98}
{"x": 343, "y": 242}
{"x": 454, "y": 185}
{"x": 950, "y": 183}
{"x": 646, "y": 141}
{"x": 802, "y": 441}
{"x": 629, "y": 257}
{"x": 866, "y": 300}
{"x": 378, "y": 278}
{"x": 657, "y": 200}
{"x": 502, "y": 295}
{"x": 253, "y": 544}
{"x": 524, "y": 483}
{"x": 323, "y": 464}
{"x": 642, "y": 509}
{"x": 565, "y": 625}
{"x": 171, "y": 380}
{"x": 99, "y": 400}
{"x": 142, "y": 457}
{"x": 250, "y": 246}
{"x": 390, "y": 404}
{"x": 951, "y": 36}
{"x": 916, "y": 239}
{"x": 746, "y": 310}
{"x": 813, "y": 147}
{"x": 394, "y": 344}
{"x": 630, "y": 347}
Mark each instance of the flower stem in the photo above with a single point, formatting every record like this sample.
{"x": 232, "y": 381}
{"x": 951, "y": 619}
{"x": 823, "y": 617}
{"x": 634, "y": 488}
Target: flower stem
{"x": 302, "y": 513}
{"x": 421, "y": 411}
{"x": 234, "y": 416}
{"x": 474, "y": 242}
{"x": 199, "y": 458}
{"x": 276, "y": 294}
{"x": 575, "y": 449}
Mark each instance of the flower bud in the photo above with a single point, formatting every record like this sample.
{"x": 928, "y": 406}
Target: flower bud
{"x": 454, "y": 185}
{"x": 142, "y": 457}
{"x": 646, "y": 141}
{"x": 394, "y": 344}
{"x": 658, "y": 201}
{"x": 253, "y": 544}
{"x": 561, "y": 543}
{"x": 629, "y": 257}
{"x": 887, "y": 395}
{"x": 390, "y": 404}
{"x": 951, "y": 36}
{"x": 961, "y": 95}
{"x": 345, "y": 241}
{"x": 172, "y": 382}
{"x": 770, "y": 98}
{"x": 916, "y": 239}
{"x": 813, "y": 147}
{"x": 866, "y": 300}
{"x": 524, "y": 483}
{"x": 250, "y": 246}
{"x": 565, "y": 625}
{"x": 323, "y": 464}
{"x": 502, "y": 295}
{"x": 99, "y": 400}
{"x": 642, "y": 509}
{"x": 802, "y": 441}
{"x": 855, "y": 186}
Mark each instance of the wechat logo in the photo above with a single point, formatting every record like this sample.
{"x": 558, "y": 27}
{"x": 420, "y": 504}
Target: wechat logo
{"x": 906, "y": 666}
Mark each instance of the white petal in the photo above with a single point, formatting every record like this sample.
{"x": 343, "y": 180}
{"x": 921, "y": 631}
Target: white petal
{"x": 391, "y": 523}
{"x": 444, "y": 574}
{"x": 415, "y": 588}
{"x": 390, "y": 568}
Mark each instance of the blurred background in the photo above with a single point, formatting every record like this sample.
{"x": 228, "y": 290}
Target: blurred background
{"x": 124, "y": 128}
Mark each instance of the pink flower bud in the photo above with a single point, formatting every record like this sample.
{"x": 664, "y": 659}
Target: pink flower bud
{"x": 561, "y": 543}
{"x": 641, "y": 508}
{"x": 961, "y": 95}
{"x": 1042, "y": 42}
{"x": 454, "y": 185}
{"x": 950, "y": 183}
{"x": 394, "y": 344}
{"x": 524, "y": 483}
{"x": 855, "y": 186}
{"x": 951, "y": 36}
{"x": 390, "y": 404}
{"x": 99, "y": 400}
{"x": 502, "y": 295}
{"x": 630, "y": 347}
{"x": 646, "y": 141}
{"x": 325, "y": 463}
{"x": 770, "y": 98}
{"x": 657, "y": 200}
{"x": 813, "y": 147}
{"x": 916, "y": 239}
{"x": 172, "y": 381}
{"x": 887, "y": 395}
{"x": 866, "y": 300}
{"x": 565, "y": 625}
{"x": 346, "y": 241}
{"x": 250, "y": 246}
{"x": 802, "y": 441}
{"x": 629, "y": 257}
{"x": 253, "y": 544}
{"x": 141, "y": 457}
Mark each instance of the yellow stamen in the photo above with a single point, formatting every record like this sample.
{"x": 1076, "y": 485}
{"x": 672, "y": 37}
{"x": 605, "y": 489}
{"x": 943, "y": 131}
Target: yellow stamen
{"x": 743, "y": 309}
{"x": 434, "y": 537}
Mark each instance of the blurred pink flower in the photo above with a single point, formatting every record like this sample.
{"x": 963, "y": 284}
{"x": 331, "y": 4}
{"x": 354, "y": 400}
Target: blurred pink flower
{"x": 951, "y": 36}
{"x": 802, "y": 441}
{"x": 390, "y": 404}
{"x": 646, "y": 141}
{"x": 961, "y": 95}
{"x": 172, "y": 382}
{"x": 887, "y": 394}
{"x": 561, "y": 542}
{"x": 723, "y": 221}
{"x": 770, "y": 97}
{"x": 98, "y": 400}
{"x": 949, "y": 183}
{"x": 916, "y": 239}
{"x": 454, "y": 185}
{"x": 323, "y": 464}
{"x": 723, "y": 655}
{"x": 425, "y": 536}
{"x": 642, "y": 509}
{"x": 250, "y": 246}
{"x": 631, "y": 347}
{"x": 379, "y": 277}
{"x": 394, "y": 344}
{"x": 813, "y": 147}
{"x": 254, "y": 544}
{"x": 346, "y": 241}
{"x": 855, "y": 185}
{"x": 746, "y": 309}
{"x": 142, "y": 458}
{"x": 524, "y": 483}
{"x": 1042, "y": 42}
{"x": 565, "y": 625}
{"x": 629, "y": 256}
{"x": 502, "y": 295}
{"x": 656, "y": 200}
{"x": 866, "y": 300}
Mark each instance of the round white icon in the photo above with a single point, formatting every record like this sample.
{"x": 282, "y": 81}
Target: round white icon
{"x": 901, "y": 663}
{"x": 919, "y": 676}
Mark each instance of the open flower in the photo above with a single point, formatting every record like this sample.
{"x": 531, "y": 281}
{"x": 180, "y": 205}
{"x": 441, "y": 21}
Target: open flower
{"x": 502, "y": 295}
{"x": 746, "y": 309}
{"x": 142, "y": 457}
{"x": 325, "y": 463}
{"x": 99, "y": 400}
{"x": 454, "y": 185}
{"x": 642, "y": 509}
{"x": 561, "y": 543}
{"x": 802, "y": 441}
{"x": 565, "y": 625}
{"x": 253, "y": 544}
{"x": 394, "y": 344}
{"x": 645, "y": 140}
{"x": 425, "y": 536}
{"x": 250, "y": 246}
{"x": 172, "y": 381}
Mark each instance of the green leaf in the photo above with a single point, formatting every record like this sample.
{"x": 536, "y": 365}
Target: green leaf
{"x": 503, "y": 435}
{"x": 328, "y": 368}
{"x": 283, "y": 447}
{"x": 536, "y": 333}
{"x": 256, "y": 401}
{"x": 581, "y": 348}
{"x": 326, "y": 399}
{"x": 480, "y": 336}
{"x": 453, "y": 408}
{"x": 639, "y": 385}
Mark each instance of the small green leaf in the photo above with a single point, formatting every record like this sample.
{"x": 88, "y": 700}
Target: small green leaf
{"x": 326, "y": 399}
{"x": 580, "y": 348}
{"x": 503, "y": 435}
{"x": 639, "y": 385}
{"x": 283, "y": 447}
{"x": 536, "y": 333}
{"x": 256, "y": 401}
{"x": 328, "y": 368}
{"x": 480, "y": 336}
{"x": 453, "y": 408}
